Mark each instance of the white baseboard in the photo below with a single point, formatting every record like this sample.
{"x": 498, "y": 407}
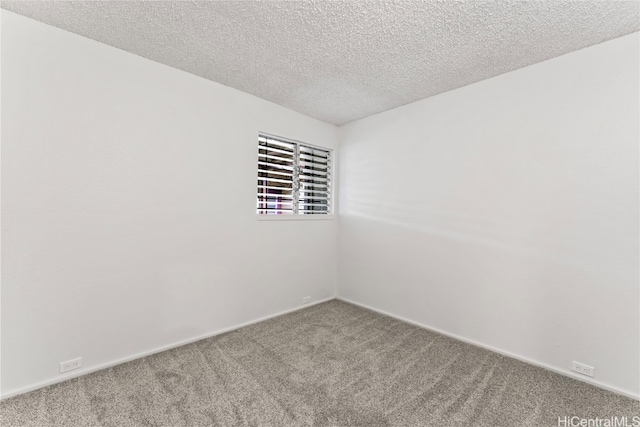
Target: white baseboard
{"x": 499, "y": 351}
{"x": 88, "y": 370}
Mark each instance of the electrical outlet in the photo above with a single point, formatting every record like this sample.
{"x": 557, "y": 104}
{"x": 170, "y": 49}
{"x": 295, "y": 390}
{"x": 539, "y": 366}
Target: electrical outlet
{"x": 306, "y": 300}
{"x": 70, "y": 365}
{"x": 582, "y": 369}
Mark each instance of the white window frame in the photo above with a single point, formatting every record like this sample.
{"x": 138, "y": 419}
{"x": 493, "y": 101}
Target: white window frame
{"x": 303, "y": 217}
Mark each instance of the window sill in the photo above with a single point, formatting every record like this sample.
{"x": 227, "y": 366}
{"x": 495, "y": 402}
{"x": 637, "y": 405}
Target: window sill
{"x": 295, "y": 217}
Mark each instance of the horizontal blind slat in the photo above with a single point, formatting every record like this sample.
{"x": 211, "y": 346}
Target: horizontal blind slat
{"x": 276, "y": 211}
{"x": 274, "y": 165}
{"x": 275, "y": 197}
{"x": 314, "y": 159}
{"x": 270, "y": 187}
{"x": 314, "y": 168}
{"x": 269, "y": 142}
{"x": 316, "y": 188}
{"x": 312, "y": 151}
{"x": 275, "y": 180}
{"x": 271, "y": 157}
{"x": 276, "y": 174}
{"x": 314, "y": 203}
{"x": 315, "y": 194}
{"x": 313, "y": 179}
{"x": 313, "y": 175}
{"x": 275, "y": 150}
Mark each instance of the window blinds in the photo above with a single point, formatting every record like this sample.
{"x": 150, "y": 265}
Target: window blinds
{"x": 293, "y": 178}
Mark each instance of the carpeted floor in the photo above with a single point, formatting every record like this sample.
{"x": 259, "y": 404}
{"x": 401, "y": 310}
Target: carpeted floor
{"x": 333, "y": 364}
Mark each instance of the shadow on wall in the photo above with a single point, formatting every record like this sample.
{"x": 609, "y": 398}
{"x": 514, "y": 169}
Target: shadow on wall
{"x": 479, "y": 284}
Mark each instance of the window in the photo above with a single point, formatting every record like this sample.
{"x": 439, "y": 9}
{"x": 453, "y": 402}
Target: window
{"x": 293, "y": 178}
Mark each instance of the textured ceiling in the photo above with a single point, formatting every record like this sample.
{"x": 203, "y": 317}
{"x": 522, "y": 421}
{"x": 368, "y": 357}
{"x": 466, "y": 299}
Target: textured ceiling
{"x": 342, "y": 60}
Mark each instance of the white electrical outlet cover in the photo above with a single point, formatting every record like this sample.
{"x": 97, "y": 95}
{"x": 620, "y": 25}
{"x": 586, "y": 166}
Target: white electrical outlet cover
{"x": 583, "y": 369}
{"x": 70, "y": 365}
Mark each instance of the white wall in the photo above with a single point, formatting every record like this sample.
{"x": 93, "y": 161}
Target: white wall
{"x": 128, "y": 207}
{"x": 506, "y": 212}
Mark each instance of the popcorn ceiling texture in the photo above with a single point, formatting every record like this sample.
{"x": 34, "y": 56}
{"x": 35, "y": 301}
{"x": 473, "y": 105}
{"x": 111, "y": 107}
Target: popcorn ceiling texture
{"x": 339, "y": 61}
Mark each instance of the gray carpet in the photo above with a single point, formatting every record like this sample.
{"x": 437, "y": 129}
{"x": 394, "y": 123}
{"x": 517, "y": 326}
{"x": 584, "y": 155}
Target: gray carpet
{"x": 332, "y": 364}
